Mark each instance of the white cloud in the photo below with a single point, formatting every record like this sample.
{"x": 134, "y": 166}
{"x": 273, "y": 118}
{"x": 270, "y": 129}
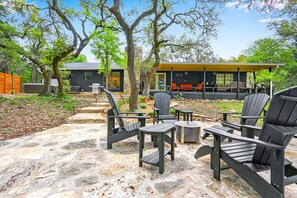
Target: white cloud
{"x": 237, "y": 5}
{"x": 278, "y": 4}
{"x": 264, "y": 5}
{"x": 244, "y": 7}
{"x": 232, "y": 4}
{"x": 269, "y": 20}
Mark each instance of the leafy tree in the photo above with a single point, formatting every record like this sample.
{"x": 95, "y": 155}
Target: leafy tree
{"x": 273, "y": 51}
{"x": 80, "y": 59}
{"x": 128, "y": 25}
{"x": 200, "y": 19}
{"x": 52, "y": 36}
{"x": 106, "y": 48}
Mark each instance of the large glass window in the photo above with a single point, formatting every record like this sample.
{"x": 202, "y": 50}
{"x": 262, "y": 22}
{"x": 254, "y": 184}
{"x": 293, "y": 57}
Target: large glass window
{"x": 159, "y": 82}
{"x": 88, "y": 75}
{"x": 114, "y": 80}
{"x": 224, "y": 79}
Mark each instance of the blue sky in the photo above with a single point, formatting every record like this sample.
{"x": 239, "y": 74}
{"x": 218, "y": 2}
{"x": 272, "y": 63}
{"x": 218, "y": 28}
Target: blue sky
{"x": 238, "y": 30}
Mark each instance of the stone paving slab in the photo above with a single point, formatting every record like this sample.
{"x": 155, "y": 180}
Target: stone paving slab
{"x": 82, "y": 118}
{"x": 102, "y": 104}
{"x": 72, "y": 161}
{"x": 96, "y": 109}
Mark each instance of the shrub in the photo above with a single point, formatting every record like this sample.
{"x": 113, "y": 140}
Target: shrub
{"x": 123, "y": 101}
{"x": 141, "y": 98}
{"x": 150, "y": 113}
{"x": 172, "y": 111}
{"x": 179, "y": 96}
{"x": 142, "y": 105}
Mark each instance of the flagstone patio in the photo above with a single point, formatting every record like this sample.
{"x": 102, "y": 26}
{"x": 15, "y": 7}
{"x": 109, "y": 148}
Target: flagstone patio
{"x": 72, "y": 161}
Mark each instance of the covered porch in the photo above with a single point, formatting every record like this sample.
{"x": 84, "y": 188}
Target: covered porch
{"x": 210, "y": 80}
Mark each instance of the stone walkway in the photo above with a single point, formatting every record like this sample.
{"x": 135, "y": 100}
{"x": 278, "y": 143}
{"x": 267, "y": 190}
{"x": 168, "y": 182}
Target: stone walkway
{"x": 72, "y": 161}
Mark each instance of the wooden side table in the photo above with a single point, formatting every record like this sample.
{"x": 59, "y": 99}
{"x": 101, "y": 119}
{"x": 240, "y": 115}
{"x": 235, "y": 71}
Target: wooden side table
{"x": 186, "y": 114}
{"x": 157, "y": 158}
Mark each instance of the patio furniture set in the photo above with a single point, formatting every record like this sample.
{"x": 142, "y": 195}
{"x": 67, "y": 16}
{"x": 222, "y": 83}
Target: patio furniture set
{"x": 185, "y": 87}
{"x": 209, "y": 87}
{"x": 244, "y": 153}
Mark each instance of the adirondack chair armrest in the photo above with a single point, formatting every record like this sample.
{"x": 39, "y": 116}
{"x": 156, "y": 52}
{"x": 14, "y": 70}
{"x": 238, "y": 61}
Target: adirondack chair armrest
{"x": 222, "y": 133}
{"x": 138, "y": 113}
{"x": 225, "y": 114}
{"x": 156, "y": 109}
{"x": 136, "y": 117}
{"x": 252, "y": 127}
{"x": 244, "y": 118}
{"x": 251, "y": 117}
{"x": 230, "y": 112}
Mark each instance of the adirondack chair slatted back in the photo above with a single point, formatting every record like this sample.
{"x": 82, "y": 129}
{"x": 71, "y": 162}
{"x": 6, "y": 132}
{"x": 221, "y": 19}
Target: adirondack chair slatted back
{"x": 282, "y": 115}
{"x": 115, "y": 108}
{"x": 253, "y": 106}
{"x": 162, "y": 102}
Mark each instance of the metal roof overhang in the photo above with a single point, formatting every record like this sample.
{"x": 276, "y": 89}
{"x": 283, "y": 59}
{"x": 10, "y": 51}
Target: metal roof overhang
{"x": 217, "y": 67}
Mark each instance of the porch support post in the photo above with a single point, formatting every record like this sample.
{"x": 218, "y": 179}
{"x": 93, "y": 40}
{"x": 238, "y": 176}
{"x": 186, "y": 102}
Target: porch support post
{"x": 204, "y": 81}
{"x": 255, "y": 85}
{"x": 238, "y": 80}
{"x": 171, "y": 76}
{"x": 270, "y": 87}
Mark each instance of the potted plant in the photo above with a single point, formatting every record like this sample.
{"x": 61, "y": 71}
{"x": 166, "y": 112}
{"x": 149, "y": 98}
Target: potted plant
{"x": 144, "y": 99}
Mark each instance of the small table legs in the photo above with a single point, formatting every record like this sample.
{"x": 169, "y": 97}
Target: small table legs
{"x": 157, "y": 158}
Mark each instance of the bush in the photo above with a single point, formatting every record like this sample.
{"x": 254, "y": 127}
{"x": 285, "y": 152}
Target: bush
{"x": 172, "y": 111}
{"x": 141, "y": 98}
{"x": 150, "y": 113}
{"x": 179, "y": 96}
{"x": 142, "y": 105}
{"x": 123, "y": 101}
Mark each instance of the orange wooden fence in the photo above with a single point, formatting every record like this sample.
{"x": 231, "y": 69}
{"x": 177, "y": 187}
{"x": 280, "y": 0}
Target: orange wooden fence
{"x": 9, "y": 84}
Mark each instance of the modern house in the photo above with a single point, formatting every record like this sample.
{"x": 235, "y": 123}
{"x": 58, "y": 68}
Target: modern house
{"x": 83, "y": 75}
{"x": 209, "y": 80}
{"x": 193, "y": 80}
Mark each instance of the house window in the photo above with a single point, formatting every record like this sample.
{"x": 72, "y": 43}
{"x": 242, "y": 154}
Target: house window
{"x": 88, "y": 75}
{"x": 179, "y": 74}
{"x": 114, "y": 80}
{"x": 159, "y": 82}
{"x": 224, "y": 79}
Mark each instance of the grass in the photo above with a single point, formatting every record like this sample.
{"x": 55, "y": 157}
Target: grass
{"x": 230, "y": 105}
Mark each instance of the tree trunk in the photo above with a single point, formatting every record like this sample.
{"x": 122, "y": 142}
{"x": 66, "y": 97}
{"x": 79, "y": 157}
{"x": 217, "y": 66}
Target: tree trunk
{"x": 147, "y": 83}
{"x": 131, "y": 72}
{"x": 58, "y": 77}
{"x": 106, "y": 81}
{"x": 34, "y": 74}
{"x": 47, "y": 76}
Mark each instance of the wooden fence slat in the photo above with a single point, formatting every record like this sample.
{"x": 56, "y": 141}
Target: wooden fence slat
{"x": 6, "y": 83}
{"x": 2, "y": 83}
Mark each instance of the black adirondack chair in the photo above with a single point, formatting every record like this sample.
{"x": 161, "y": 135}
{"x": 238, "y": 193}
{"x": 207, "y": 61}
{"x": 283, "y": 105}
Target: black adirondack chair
{"x": 124, "y": 131}
{"x": 161, "y": 108}
{"x": 249, "y": 156}
{"x": 252, "y": 108}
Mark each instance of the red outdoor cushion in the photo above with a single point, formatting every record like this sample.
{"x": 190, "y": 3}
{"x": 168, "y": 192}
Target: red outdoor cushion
{"x": 186, "y": 87}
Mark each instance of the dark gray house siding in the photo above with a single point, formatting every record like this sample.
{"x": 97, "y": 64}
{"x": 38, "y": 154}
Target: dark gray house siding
{"x": 195, "y": 77}
{"x": 83, "y": 75}
{"x": 77, "y": 78}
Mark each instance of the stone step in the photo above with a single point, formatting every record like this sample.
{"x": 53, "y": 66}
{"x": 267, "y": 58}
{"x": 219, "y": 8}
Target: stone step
{"x": 96, "y": 109}
{"x": 101, "y": 104}
{"x": 85, "y": 118}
